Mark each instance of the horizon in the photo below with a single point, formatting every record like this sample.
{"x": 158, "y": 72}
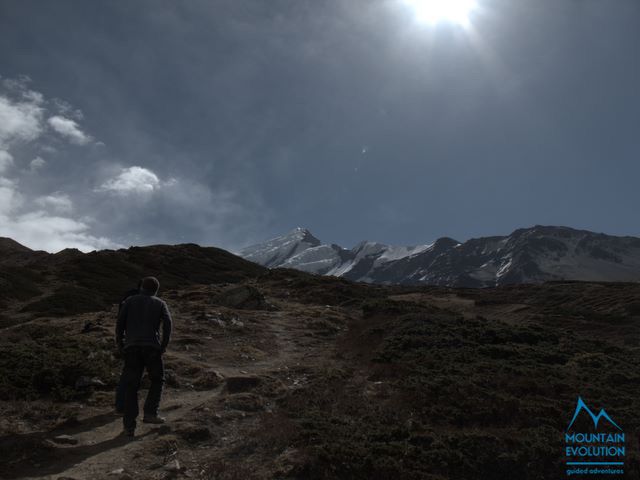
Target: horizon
{"x": 323, "y": 242}
{"x": 225, "y": 123}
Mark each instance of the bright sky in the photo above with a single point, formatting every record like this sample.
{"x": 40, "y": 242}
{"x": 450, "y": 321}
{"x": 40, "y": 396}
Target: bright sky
{"x": 228, "y": 122}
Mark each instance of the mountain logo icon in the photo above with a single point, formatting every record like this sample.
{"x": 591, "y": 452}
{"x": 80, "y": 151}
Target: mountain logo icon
{"x": 596, "y": 418}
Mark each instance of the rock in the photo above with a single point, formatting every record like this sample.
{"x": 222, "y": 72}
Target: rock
{"x": 171, "y": 378}
{"x": 209, "y": 379}
{"x": 65, "y": 440}
{"x": 71, "y": 421}
{"x": 90, "y": 326}
{"x": 173, "y": 467}
{"x": 242, "y": 297}
{"x": 242, "y": 384}
{"x": 194, "y": 433}
{"x": 217, "y": 419}
{"x": 245, "y": 402}
{"x": 85, "y": 382}
{"x": 217, "y": 320}
{"x": 117, "y": 471}
{"x": 237, "y": 323}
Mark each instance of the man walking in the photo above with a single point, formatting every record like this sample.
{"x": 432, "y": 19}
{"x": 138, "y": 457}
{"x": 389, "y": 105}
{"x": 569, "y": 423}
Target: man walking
{"x": 120, "y": 387}
{"x": 137, "y": 336}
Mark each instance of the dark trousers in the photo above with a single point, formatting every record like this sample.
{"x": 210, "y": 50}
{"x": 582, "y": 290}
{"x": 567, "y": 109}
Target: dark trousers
{"x": 136, "y": 359}
{"x": 120, "y": 393}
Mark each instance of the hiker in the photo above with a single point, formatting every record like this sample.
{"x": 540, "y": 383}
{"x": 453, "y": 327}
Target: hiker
{"x": 120, "y": 387}
{"x": 137, "y": 336}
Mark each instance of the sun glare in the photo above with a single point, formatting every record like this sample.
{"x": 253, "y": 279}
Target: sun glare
{"x": 434, "y": 11}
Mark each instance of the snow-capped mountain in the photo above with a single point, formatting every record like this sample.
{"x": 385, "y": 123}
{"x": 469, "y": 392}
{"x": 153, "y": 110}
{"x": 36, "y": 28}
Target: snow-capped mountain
{"x": 528, "y": 255}
{"x": 275, "y": 252}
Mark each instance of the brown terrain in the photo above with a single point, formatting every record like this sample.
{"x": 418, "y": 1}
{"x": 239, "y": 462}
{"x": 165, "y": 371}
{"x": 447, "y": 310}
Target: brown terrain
{"x": 281, "y": 374}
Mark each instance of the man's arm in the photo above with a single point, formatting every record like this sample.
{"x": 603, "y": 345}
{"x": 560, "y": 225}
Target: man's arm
{"x": 166, "y": 326}
{"x": 121, "y": 325}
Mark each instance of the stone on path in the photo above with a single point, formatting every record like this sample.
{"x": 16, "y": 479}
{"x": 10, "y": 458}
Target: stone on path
{"x": 65, "y": 440}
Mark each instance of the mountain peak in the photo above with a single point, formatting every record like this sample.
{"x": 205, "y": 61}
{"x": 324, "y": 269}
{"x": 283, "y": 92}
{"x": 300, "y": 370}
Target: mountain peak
{"x": 445, "y": 242}
{"x": 10, "y": 245}
{"x": 304, "y": 235}
{"x": 276, "y": 251}
{"x": 528, "y": 255}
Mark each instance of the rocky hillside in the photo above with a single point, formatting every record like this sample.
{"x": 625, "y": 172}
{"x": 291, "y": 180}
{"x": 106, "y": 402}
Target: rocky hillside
{"x": 278, "y": 373}
{"x": 528, "y": 255}
{"x": 36, "y": 282}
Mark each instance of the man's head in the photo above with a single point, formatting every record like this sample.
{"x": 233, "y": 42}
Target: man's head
{"x": 150, "y": 285}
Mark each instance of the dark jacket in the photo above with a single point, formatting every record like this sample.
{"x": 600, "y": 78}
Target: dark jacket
{"x": 128, "y": 293}
{"x": 139, "y": 322}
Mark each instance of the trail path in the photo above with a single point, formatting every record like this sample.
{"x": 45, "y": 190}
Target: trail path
{"x": 286, "y": 347}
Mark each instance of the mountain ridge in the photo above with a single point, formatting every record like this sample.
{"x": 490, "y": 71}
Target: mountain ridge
{"x": 527, "y": 255}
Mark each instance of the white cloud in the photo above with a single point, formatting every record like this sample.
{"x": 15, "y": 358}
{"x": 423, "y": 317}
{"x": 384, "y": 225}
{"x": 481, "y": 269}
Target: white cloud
{"x": 66, "y": 109}
{"x": 132, "y": 180}
{"x": 6, "y": 160}
{"x": 69, "y": 128}
{"x": 10, "y": 199}
{"x": 22, "y": 114}
{"x": 48, "y": 149}
{"x": 45, "y": 222}
{"x": 40, "y": 230}
{"x": 48, "y": 227}
{"x": 36, "y": 164}
{"x": 57, "y": 201}
{"x": 19, "y": 120}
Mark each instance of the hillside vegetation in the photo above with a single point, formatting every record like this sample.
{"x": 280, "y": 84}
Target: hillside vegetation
{"x": 282, "y": 374}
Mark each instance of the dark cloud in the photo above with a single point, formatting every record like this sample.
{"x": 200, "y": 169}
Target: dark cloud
{"x": 349, "y": 118}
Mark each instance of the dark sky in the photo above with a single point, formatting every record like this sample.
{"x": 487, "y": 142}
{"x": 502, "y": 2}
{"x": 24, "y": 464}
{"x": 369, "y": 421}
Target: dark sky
{"x": 228, "y": 122}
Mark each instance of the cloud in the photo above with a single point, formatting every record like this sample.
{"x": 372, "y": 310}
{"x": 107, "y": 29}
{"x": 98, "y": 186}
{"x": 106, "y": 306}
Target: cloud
{"x": 132, "y": 180}
{"x": 44, "y": 222}
{"x": 60, "y": 197}
{"x": 6, "y": 160}
{"x": 66, "y": 109}
{"x": 41, "y": 230}
{"x": 19, "y": 120}
{"x": 69, "y": 128}
{"x": 57, "y": 201}
{"x": 36, "y": 164}
{"x": 22, "y": 114}
{"x": 47, "y": 227}
{"x": 10, "y": 199}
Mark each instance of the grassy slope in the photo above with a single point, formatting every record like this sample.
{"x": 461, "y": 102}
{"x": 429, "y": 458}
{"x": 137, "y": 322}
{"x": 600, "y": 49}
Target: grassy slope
{"x": 426, "y": 392}
{"x": 418, "y": 387}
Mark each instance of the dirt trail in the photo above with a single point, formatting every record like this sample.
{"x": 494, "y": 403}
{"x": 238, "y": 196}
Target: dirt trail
{"x": 102, "y": 450}
{"x": 286, "y": 346}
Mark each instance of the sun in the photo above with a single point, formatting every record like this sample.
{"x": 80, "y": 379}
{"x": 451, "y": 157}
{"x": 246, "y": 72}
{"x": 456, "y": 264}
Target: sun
{"x": 434, "y": 11}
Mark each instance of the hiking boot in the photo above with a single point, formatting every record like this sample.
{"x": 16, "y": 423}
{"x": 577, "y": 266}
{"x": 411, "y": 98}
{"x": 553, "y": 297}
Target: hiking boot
{"x": 154, "y": 419}
{"x": 119, "y": 411}
{"x": 128, "y": 432}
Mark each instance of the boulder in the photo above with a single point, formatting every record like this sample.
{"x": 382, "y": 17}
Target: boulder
{"x": 244, "y": 297}
{"x": 208, "y": 379}
{"x": 244, "y": 402}
{"x": 194, "y": 433}
{"x": 242, "y": 384}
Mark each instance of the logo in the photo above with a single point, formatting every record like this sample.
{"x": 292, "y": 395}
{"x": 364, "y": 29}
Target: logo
{"x": 597, "y": 451}
{"x": 596, "y": 418}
